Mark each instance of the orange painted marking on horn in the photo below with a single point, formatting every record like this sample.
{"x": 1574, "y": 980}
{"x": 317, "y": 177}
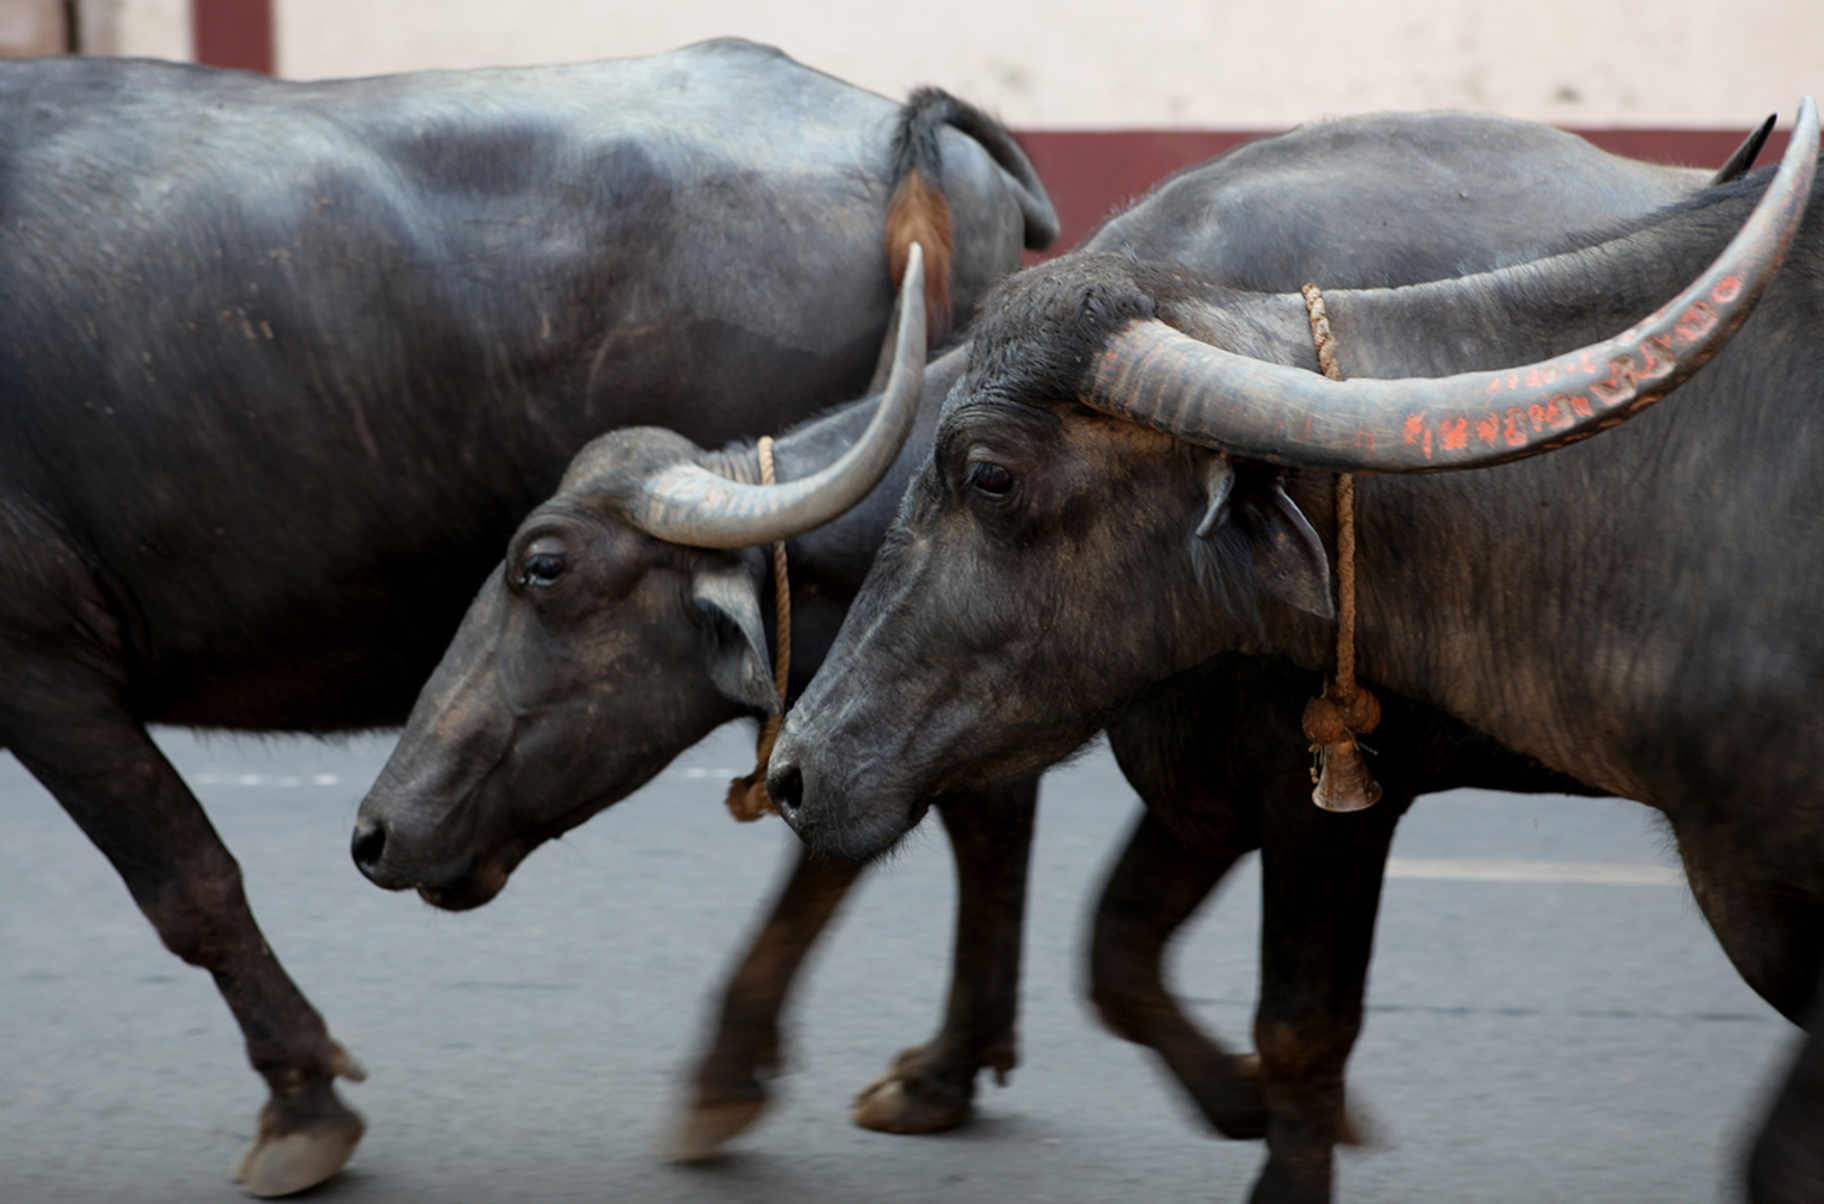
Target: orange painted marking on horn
{"x": 1579, "y": 403}
{"x": 1727, "y": 290}
{"x": 1454, "y": 433}
{"x": 1515, "y": 431}
{"x": 1619, "y": 386}
{"x": 1697, "y": 322}
{"x": 1489, "y": 429}
{"x": 1415, "y": 425}
{"x": 1426, "y": 444}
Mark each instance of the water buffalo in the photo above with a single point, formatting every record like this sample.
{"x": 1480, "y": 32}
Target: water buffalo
{"x": 1119, "y": 491}
{"x": 582, "y": 667}
{"x": 284, "y": 363}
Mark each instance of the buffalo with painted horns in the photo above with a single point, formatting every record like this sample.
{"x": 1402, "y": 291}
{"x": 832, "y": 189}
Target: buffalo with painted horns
{"x": 1584, "y": 609}
{"x": 567, "y": 660}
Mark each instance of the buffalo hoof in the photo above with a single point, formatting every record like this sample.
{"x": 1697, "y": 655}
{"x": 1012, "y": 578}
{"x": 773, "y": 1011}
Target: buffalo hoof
{"x": 281, "y": 1163}
{"x": 1228, "y": 1093}
{"x": 1359, "y": 1129}
{"x": 306, "y": 1135}
{"x": 911, "y": 1099}
{"x": 703, "y": 1129}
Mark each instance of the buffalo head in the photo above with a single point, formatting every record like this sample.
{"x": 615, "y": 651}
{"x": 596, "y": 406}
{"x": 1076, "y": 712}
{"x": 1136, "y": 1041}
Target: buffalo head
{"x": 1104, "y": 507}
{"x": 624, "y": 624}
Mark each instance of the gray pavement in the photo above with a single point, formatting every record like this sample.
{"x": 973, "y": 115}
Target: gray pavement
{"x": 1536, "y": 1032}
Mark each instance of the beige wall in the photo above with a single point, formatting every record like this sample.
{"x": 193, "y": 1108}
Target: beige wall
{"x": 1102, "y": 63}
{"x": 1094, "y": 63}
{"x": 154, "y": 28}
{"x": 29, "y": 27}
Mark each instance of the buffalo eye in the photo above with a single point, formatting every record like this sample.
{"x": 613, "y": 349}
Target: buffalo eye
{"x": 542, "y": 569}
{"x": 985, "y": 476}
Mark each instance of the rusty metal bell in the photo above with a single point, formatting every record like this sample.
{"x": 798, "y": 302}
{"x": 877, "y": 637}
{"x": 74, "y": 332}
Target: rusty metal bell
{"x": 1343, "y": 780}
{"x": 1331, "y": 724}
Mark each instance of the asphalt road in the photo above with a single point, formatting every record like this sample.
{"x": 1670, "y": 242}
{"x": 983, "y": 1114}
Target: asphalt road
{"x": 1549, "y": 1019}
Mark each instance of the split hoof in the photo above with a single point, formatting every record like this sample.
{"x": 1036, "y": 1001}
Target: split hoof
{"x": 905, "y": 1100}
{"x": 703, "y": 1129}
{"x": 281, "y": 1163}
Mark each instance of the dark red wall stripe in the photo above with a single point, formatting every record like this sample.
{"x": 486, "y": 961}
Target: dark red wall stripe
{"x": 233, "y": 33}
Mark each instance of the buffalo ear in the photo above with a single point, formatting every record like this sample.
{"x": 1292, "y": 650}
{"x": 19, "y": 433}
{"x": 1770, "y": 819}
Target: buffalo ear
{"x": 1265, "y": 529}
{"x": 1289, "y": 558}
{"x": 1218, "y": 484}
{"x": 727, "y": 600}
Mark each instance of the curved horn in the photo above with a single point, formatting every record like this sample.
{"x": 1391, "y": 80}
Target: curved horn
{"x": 688, "y": 504}
{"x": 1157, "y": 376}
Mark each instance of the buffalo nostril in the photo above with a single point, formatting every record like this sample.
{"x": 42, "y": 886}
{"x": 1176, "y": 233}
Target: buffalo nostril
{"x": 786, "y": 786}
{"x": 368, "y": 844}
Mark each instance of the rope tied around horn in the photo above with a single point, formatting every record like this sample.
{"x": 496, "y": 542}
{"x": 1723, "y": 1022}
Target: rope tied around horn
{"x": 747, "y": 797}
{"x": 1335, "y": 719}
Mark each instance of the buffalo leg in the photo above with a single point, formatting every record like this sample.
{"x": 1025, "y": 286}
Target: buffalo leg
{"x": 1321, "y": 876}
{"x": 1786, "y": 1162}
{"x": 728, "y": 1091}
{"x": 114, "y": 782}
{"x": 1154, "y": 888}
{"x": 931, "y": 1087}
{"x": 1774, "y": 935}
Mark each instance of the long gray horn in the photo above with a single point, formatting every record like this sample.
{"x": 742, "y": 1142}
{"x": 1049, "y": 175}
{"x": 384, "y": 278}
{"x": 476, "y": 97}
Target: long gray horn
{"x": 1157, "y": 376}
{"x": 688, "y": 504}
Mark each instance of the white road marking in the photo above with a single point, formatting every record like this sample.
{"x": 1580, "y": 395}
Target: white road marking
{"x": 222, "y": 777}
{"x": 289, "y": 781}
{"x": 1469, "y": 869}
{"x": 1434, "y": 869}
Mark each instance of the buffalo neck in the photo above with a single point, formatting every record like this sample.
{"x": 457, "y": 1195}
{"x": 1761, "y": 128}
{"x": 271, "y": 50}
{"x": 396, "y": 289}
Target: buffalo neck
{"x": 836, "y": 555}
{"x": 826, "y": 565}
{"x": 1551, "y": 602}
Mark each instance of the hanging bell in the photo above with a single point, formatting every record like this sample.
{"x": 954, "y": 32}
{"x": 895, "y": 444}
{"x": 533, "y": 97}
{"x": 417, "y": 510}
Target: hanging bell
{"x": 1343, "y": 780}
{"x": 1331, "y": 724}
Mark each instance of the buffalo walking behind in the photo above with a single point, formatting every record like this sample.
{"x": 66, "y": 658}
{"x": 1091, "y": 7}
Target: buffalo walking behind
{"x": 284, "y": 363}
